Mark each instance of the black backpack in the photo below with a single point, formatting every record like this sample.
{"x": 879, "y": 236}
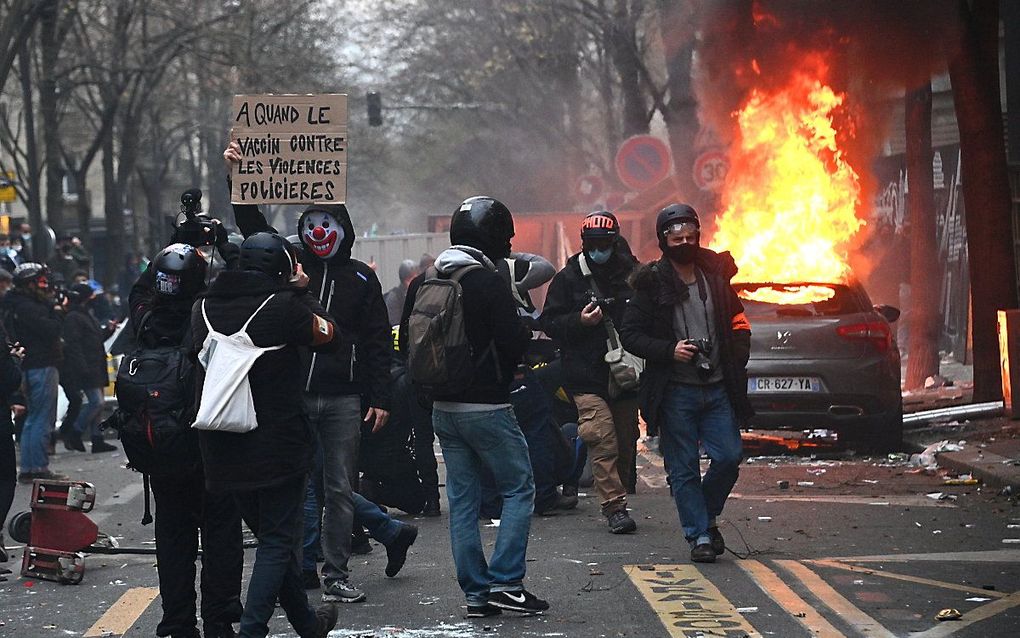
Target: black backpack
{"x": 155, "y": 399}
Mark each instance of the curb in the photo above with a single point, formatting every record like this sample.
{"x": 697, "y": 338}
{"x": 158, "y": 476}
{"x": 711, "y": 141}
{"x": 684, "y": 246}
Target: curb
{"x": 991, "y": 469}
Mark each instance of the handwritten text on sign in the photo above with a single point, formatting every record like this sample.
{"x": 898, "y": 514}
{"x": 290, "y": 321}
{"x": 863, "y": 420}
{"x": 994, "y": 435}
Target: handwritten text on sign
{"x": 293, "y": 149}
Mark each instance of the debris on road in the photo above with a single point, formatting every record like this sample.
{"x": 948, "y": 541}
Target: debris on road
{"x": 948, "y": 614}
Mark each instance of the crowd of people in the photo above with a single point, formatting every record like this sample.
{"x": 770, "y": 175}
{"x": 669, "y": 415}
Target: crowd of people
{"x": 292, "y": 394}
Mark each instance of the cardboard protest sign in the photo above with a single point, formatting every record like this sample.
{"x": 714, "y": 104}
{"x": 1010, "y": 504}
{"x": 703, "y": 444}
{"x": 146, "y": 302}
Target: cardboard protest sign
{"x": 293, "y": 149}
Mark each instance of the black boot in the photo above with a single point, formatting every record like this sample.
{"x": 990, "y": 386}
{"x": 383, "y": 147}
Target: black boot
{"x": 71, "y": 438}
{"x": 99, "y": 445}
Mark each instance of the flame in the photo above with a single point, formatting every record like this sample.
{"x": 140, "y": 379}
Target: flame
{"x": 790, "y": 197}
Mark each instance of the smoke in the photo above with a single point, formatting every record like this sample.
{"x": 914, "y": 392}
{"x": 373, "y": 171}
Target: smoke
{"x": 871, "y": 50}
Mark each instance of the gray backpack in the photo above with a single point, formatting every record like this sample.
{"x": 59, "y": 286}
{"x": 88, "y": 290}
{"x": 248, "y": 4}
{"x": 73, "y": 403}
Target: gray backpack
{"x": 439, "y": 356}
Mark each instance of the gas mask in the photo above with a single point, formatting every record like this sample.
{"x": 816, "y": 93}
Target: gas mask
{"x": 322, "y": 234}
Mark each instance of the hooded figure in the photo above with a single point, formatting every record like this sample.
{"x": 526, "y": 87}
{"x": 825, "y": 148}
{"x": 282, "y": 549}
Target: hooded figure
{"x": 339, "y": 387}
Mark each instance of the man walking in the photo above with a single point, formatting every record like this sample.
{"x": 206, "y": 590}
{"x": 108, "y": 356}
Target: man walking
{"x": 687, "y": 322}
{"x": 586, "y": 301}
{"x": 476, "y": 426}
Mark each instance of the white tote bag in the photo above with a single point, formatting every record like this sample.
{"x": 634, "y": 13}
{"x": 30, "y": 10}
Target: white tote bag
{"x": 227, "y": 404}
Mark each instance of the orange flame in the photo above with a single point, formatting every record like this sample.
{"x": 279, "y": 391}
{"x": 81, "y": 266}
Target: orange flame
{"x": 790, "y": 197}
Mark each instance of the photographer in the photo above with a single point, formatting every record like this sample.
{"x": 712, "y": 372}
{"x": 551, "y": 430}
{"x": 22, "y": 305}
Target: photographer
{"x": 586, "y": 300}
{"x": 33, "y": 317}
{"x": 688, "y": 323}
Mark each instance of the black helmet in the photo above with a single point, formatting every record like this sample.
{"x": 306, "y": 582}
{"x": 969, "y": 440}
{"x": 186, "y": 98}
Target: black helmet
{"x": 269, "y": 253}
{"x": 600, "y": 225}
{"x": 483, "y": 223}
{"x": 674, "y": 214}
{"x": 29, "y": 272}
{"x": 80, "y": 293}
{"x": 180, "y": 271}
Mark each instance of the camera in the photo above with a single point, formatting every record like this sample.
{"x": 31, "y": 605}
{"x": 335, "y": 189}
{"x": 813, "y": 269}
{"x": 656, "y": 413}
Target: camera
{"x": 602, "y": 302}
{"x": 701, "y": 361}
{"x": 193, "y": 227}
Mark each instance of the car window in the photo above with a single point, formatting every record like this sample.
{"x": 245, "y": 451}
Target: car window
{"x": 797, "y": 300}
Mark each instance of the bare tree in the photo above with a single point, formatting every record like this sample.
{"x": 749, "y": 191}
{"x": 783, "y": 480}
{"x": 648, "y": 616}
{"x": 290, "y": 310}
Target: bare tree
{"x": 972, "y": 51}
{"x": 923, "y": 359}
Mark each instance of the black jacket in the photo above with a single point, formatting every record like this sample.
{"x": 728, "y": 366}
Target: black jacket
{"x": 647, "y": 330}
{"x": 281, "y": 446}
{"x": 84, "y": 351}
{"x": 350, "y": 292}
{"x": 583, "y": 348}
{"x": 490, "y": 317}
{"x": 37, "y": 326}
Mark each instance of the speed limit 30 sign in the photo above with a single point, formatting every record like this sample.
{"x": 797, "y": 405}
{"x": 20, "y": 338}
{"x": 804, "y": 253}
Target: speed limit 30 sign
{"x": 710, "y": 170}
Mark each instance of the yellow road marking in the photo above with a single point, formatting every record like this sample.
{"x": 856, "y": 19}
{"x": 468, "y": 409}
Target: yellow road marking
{"x": 123, "y": 613}
{"x": 912, "y": 579}
{"x": 687, "y": 603}
{"x": 777, "y": 590}
{"x": 976, "y": 615}
{"x": 834, "y": 601}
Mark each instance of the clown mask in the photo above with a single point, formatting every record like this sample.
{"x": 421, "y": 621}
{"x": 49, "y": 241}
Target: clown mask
{"x": 322, "y": 234}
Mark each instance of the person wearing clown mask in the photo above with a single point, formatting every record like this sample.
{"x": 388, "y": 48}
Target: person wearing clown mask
{"x": 342, "y": 389}
{"x": 590, "y": 289}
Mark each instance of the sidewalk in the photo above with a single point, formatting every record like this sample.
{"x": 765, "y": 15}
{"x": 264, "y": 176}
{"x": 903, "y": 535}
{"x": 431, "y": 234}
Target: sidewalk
{"x": 991, "y": 450}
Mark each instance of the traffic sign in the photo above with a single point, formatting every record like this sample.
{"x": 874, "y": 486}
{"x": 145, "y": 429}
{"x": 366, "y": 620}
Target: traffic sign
{"x": 7, "y": 192}
{"x": 710, "y": 170}
{"x": 642, "y": 162}
{"x": 589, "y": 188}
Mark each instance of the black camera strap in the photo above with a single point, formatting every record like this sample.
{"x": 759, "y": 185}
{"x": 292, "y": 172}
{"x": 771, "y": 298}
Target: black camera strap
{"x": 703, "y": 294}
{"x": 614, "y": 336}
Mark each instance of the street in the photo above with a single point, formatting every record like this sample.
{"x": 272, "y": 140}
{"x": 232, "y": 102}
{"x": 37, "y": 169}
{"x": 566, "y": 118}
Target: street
{"x": 853, "y": 547}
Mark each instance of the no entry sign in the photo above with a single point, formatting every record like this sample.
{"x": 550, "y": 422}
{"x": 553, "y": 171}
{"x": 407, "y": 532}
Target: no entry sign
{"x": 642, "y": 162}
{"x": 710, "y": 170}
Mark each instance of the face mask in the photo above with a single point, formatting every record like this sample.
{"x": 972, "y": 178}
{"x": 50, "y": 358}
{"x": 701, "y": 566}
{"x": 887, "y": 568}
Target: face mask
{"x": 682, "y": 254}
{"x": 600, "y": 256}
{"x": 322, "y": 234}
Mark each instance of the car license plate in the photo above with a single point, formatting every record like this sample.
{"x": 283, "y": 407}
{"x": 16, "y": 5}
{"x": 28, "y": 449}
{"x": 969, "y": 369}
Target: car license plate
{"x": 784, "y": 384}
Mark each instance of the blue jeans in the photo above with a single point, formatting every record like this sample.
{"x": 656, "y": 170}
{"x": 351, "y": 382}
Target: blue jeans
{"x": 42, "y": 384}
{"x": 274, "y": 515}
{"x": 692, "y": 413}
{"x": 473, "y": 442}
{"x": 337, "y": 422}
{"x": 380, "y": 525}
{"x": 87, "y": 422}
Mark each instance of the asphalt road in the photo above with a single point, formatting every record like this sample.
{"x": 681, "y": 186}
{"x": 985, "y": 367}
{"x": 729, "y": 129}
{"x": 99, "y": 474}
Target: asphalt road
{"x": 861, "y": 551}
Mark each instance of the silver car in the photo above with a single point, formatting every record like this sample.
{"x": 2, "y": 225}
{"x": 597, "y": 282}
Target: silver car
{"x": 831, "y": 364}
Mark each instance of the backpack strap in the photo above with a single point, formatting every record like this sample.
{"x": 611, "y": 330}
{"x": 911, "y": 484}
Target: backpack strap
{"x": 208, "y": 326}
{"x": 244, "y": 328}
{"x": 463, "y": 270}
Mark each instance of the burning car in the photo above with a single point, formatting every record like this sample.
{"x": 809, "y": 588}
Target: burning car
{"x": 822, "y": 356}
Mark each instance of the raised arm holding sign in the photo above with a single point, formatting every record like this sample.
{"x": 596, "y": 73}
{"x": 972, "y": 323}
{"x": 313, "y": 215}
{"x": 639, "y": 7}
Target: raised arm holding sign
{"x": 293, "y": 149}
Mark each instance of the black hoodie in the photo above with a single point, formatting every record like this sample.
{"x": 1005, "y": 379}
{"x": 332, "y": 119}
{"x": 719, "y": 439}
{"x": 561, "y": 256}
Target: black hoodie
{"x": 350, "y": 292}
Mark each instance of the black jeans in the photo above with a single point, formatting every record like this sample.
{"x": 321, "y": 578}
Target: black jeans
{"x": 275, "y": 515}
{"x": 183, "y": 508}
{"x": 74, "y": 402}
{"x": 8, "y": 464}
{"x": 425, "y": 454}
